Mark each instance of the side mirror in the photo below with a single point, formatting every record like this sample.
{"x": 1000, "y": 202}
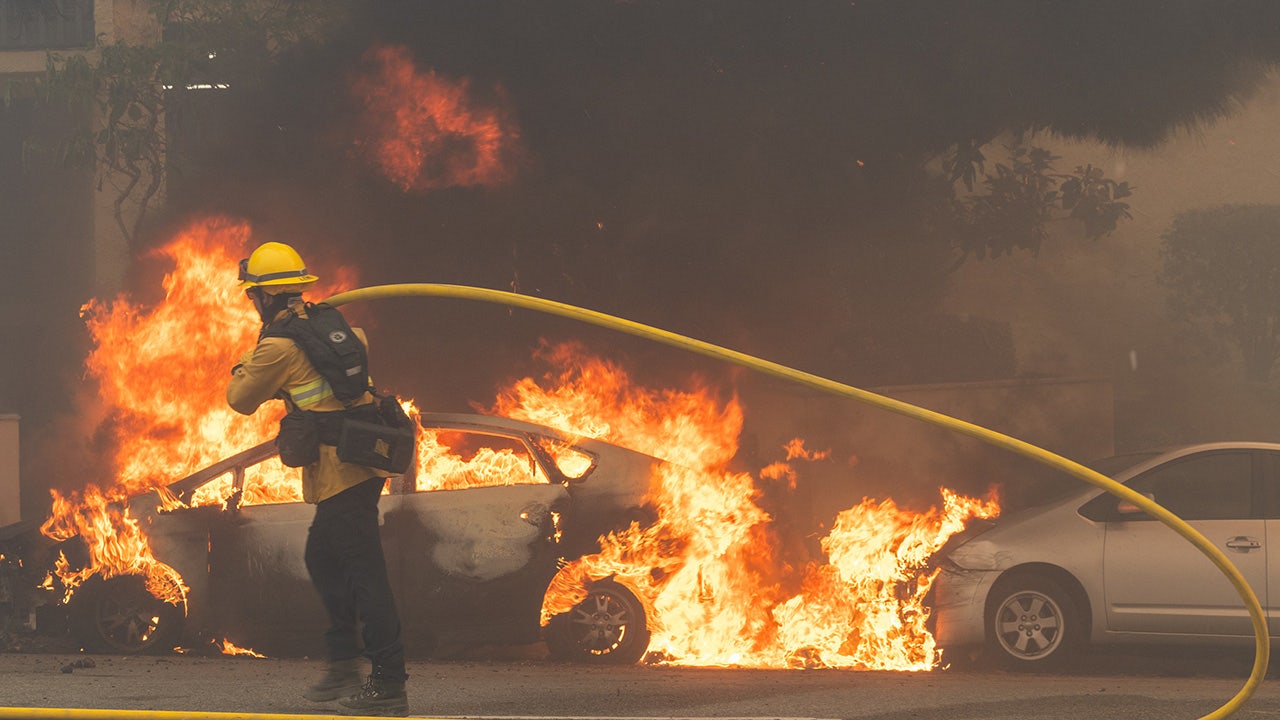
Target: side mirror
{"x": 1124, "y": 507}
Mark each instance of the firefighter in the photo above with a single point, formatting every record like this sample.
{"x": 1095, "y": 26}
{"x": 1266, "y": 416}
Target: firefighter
{"x": 344, "y": 551}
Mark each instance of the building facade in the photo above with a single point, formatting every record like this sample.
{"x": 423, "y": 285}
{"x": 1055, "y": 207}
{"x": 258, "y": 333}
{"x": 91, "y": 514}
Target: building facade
{"x": 59, "y": 241}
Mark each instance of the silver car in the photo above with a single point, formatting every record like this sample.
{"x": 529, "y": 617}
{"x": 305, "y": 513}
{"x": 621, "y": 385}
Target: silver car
{"x": 470, "y": 559}
{"x": 1042, "y": 583}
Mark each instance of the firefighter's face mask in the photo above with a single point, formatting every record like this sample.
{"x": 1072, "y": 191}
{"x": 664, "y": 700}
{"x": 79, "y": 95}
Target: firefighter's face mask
{"x": 262, "y": 302}
{"x": 267, "y": 304}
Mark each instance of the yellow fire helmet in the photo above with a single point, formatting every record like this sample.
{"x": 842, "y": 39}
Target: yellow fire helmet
{"x": 274, "y": 264}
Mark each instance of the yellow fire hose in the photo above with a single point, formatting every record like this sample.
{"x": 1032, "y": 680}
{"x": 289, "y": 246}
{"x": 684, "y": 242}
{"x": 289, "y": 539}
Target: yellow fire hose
{"x": 1262, "y": 644}
{"x": 84, "y": 714}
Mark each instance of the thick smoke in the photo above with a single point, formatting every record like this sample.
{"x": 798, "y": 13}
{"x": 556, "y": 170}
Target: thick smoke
{"x": 752, "y": 174}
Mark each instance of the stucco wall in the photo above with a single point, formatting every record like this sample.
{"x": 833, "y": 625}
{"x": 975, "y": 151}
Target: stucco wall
{"x": 10, "y": 499}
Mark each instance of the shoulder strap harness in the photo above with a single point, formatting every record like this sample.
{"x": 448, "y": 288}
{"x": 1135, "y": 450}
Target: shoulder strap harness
{"x": 331, "y": 346}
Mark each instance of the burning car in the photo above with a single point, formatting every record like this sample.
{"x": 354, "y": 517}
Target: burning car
{"x": 1039, "y": 585}
{"x": 472, "y": 545}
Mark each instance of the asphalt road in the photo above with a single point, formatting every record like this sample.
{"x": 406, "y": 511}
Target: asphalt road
{"x": 1125, "y": 689}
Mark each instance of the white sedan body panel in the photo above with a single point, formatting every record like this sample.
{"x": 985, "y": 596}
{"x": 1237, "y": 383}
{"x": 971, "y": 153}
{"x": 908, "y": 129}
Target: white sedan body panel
{"x": 1157, "y": 582}
{"x": 1057, "y": 537}
{"x": 1272, "y": 601}
{"x": 1135, "y": 579}
{"x": 483, "y": 533}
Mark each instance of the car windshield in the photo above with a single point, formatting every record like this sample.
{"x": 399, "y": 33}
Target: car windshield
{"x": 1053, "y": 486}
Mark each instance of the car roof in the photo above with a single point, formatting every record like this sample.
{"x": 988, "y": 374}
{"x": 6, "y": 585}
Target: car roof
{"x": 1143, "y": 460}
{"x": 474, "y": 421}
{"x": 1217, "y": 445}
{"x": 1158, "y": 455}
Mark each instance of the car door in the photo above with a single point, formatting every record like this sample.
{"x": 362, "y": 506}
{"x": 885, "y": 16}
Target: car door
{"x": 1271, "y": 505}
{"x": 1157, "y": 582}
{"x": 180, "y": 539}
{"x": 260, "y": 592}
{"x": 471, "y": 544}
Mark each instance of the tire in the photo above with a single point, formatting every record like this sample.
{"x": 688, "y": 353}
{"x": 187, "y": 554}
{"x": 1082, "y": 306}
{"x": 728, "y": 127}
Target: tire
{"x": 1032, "y": 623}
{"x": 608, "y": 627}
{"x": 119, "y": 616}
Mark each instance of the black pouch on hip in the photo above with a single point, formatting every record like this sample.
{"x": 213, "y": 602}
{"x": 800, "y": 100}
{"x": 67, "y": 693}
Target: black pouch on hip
{"x": 299, "y": 439}
{"x": 379, "y": 436}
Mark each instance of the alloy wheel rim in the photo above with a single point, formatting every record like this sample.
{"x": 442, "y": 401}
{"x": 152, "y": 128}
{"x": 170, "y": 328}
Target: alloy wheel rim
{"x": 602, "y": 621}
{"x": 127, "y": 623}
{"x": 1029, "y": 625}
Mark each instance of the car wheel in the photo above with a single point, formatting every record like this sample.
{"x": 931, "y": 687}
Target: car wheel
{"x": 119, "y": 616}
{"x": 609, "y": 626}
{"x": 1032, "y": 623}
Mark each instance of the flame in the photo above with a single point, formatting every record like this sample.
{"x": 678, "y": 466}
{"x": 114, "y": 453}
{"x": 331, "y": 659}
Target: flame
{"x": 226, "y": 647}
{"x": 707, "y": 569}
{"x": 425, "y": 131}
{"x": 443, "y": 463}
{"x": 864, "y": 609}
{"x": 162, "y": 373}
{"x": 116, "y": 545}
{"x": 782, "y": 470}
{"x": 720, "y": 586}
{"x": 571, "y": 462}
{"x": 163, "y": 370}
{"x": 796, "y": 449}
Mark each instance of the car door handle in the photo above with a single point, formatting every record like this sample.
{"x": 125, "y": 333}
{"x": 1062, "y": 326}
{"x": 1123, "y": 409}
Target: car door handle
{"x": 1243, "y": 544}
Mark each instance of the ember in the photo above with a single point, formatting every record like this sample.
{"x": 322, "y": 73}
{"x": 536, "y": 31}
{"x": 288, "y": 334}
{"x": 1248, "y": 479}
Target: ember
{"x": 226, "y": 647}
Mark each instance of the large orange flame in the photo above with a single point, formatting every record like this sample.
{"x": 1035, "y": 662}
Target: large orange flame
{"x": 162, "y": 374}
{"x": 163, "y": 370}
{"x": 708, "y": 569}
{"x": 425, "y": 131}
{"x": 116, "y": 545}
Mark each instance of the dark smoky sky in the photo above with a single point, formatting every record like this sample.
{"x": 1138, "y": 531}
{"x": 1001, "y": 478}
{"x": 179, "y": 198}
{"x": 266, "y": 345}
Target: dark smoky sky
{"x": 747, "y": 173}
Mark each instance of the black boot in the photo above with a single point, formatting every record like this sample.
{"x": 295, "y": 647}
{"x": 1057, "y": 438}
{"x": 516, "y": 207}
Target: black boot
{"x": 378, "y": 697}
{"x": 341, "y": 679}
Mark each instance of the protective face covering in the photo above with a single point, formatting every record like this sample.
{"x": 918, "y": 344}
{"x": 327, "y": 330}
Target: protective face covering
{"x": 268, "y": 306}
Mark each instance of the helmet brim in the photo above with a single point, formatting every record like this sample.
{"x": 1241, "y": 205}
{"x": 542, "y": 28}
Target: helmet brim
{"x": 303, "y": 280}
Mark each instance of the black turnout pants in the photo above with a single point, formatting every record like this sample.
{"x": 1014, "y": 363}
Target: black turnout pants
{"x": 344, "y": 558}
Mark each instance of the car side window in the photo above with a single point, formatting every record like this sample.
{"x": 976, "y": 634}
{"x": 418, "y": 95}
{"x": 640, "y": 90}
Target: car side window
{"x": 214, "y": 492}
{"x": 1270, "y": 489}
{"x": 573, "y": 463}
{"x": 1209, "y": 486}
{"x": 457, "y": 459}
{"x": 266, "y": 483}
{"x": 270, "y": 482}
